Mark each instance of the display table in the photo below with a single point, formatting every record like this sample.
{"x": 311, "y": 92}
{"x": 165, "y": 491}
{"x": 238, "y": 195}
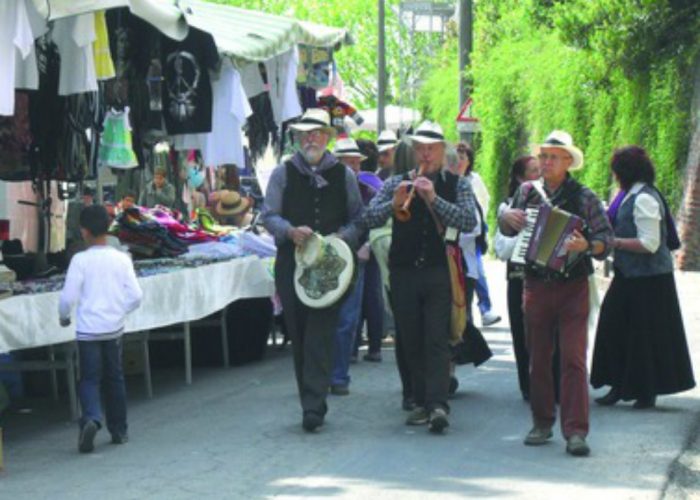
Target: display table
{"x": 179, "y": 296}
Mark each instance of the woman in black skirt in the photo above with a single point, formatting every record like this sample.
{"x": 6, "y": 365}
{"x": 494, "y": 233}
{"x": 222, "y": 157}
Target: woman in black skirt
{"x": 640, "y": 347}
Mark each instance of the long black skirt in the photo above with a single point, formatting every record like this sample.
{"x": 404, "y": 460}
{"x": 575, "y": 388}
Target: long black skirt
{"x": 640, "y": 345}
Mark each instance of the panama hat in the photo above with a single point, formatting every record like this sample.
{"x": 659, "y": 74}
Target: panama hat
{"x": 324, "y": 270}
{"x": 562, "y": 140}
{"x": 314, "y": 119}
{"x": 428, "y": 133}
{"x": 232, "y": 203}
{"x": 387, "y": 140}
{"x": 347, "y": 147}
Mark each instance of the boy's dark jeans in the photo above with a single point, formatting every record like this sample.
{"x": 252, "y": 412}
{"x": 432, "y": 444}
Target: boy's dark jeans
{"x": 101, "y": 366}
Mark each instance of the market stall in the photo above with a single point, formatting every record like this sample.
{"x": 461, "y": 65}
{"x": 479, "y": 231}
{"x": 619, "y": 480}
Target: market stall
{"x": 143, "y": 67}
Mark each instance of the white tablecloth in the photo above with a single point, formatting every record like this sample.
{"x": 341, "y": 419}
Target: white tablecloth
{"x": 183, "y": 295}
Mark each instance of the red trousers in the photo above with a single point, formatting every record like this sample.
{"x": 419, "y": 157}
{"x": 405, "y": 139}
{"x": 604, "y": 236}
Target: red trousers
{"x": 558, "y": 308}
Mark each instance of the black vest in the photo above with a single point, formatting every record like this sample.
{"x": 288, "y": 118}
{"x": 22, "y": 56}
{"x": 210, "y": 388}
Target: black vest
{"x": 416, "y": 243}
{"x": 325, "y": 210}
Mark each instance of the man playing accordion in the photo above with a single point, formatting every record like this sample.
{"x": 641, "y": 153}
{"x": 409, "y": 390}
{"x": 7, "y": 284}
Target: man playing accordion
{"x": 557, "y": 303}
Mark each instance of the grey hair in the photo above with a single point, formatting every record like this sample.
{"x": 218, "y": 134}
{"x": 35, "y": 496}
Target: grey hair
{"x": 451, "y": 158}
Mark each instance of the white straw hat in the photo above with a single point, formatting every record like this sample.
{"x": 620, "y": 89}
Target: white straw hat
{"x": 562, "y": 140}
{"x": 347, "y": 147}
{"x": 428, "y": 133}
{"x": 387, "y": 140}
{"x": 314, "y": 119}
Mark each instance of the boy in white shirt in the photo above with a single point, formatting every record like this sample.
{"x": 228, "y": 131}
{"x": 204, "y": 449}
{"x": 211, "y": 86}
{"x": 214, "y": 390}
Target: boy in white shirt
{"x": 101, "y": 280}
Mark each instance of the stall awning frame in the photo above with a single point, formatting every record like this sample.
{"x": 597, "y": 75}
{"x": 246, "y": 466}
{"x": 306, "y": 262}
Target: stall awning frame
{"x": 247, "y": 36}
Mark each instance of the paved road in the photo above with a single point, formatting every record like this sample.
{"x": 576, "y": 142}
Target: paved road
{"x": 237, "y": 434}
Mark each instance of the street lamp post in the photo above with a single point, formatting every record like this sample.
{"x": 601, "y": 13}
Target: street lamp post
{"x": 381, "y": 69}
{"x": 465, "y": 48}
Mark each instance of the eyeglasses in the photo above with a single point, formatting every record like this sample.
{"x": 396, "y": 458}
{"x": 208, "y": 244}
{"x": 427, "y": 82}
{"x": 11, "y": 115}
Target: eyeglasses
{"x": 555, "y": 158}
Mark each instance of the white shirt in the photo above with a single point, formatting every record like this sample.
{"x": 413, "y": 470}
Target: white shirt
{"x": 26, "y": 68}
{"x": 467, "y": 242}
{"x": 230, "y": 111}
{"x": 16, "y": 48}
{"x": 647, "y": 215}
{"x": 74, "y": 37}
{"x": 480, "y": 191}
{"x": 102, "y": 281}
{"x": 282, "y": 77}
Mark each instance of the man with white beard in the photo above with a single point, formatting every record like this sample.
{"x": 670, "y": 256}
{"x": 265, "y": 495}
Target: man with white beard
{"x": 311, "y": 192}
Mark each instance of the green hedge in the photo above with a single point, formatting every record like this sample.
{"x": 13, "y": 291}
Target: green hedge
{"x": 528, "y": 79}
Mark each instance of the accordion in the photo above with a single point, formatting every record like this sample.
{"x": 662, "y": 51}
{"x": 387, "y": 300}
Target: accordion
{"x": 541, "y": 243}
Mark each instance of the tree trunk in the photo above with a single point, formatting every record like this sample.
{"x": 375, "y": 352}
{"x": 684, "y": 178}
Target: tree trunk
{"x": 689, "y": 217}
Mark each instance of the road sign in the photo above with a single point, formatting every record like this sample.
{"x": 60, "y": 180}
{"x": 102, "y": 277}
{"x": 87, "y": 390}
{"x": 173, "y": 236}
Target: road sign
{"x": 466, "y": 123}
{"x": 465, "y": 114}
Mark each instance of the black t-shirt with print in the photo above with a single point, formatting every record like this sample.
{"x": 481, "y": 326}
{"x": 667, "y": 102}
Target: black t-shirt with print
{"x": 187, "y": 94}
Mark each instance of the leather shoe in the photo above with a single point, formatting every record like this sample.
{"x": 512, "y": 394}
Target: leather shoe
{"x": 645, "y": 403}
{"x": 340, "y": 390}
{"x": 612, "y": 397}
{"x": 311, "y": 421}
{"x": 538, "y": 436}
{"x": 576, "y": 445}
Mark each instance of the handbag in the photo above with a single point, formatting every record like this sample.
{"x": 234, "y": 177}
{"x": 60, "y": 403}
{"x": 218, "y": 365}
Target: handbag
{"x": 458, "y": 312}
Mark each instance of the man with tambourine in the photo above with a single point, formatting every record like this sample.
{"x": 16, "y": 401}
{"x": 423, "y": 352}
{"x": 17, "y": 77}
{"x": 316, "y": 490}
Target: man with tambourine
{"x": 557, "y": 302}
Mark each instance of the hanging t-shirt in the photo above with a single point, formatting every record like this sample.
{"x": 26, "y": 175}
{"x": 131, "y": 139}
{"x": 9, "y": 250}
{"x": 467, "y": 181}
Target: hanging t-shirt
{"x": 187, "y": 95}
{"x": 231, "y": 109}
{"x": 74, "y": 37}
{"x": 281, "y": 78}
{"x": 252, "y": 80}
{"x": 104, "y": 66}
{"x": 26, "y": 70}
{"x": 16, "y": 45}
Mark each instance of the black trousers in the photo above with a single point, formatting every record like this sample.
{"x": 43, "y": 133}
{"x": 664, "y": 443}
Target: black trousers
{"x": 401, "y": 356}
{"x": 422, "y": 300}
{"x": 311, "y": 332}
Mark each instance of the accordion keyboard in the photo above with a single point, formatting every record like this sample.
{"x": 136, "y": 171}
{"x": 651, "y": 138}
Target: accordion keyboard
{"x": 523, "y": 239}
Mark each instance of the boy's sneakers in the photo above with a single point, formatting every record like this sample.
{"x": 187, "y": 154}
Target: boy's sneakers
{"x": 86, "y": 440}
{"x": 489, "y": 318}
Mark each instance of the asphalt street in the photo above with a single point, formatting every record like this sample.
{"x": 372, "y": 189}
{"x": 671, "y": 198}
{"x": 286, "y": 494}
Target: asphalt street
{"x": 236, "y": 434}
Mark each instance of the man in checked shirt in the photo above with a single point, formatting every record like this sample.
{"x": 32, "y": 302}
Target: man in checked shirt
{"x": 557, "y": 305}
{"x": 418, "y": 272}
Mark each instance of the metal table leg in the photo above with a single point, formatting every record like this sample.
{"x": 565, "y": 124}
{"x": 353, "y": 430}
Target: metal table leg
{"x": 188, "y": 353}
{"x": 224, "y": 337}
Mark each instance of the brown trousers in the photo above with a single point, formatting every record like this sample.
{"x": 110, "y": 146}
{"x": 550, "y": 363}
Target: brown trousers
{"x": 551, "y": 307}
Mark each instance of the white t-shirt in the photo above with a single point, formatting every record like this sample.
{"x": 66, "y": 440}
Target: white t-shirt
{"x": 26, "y": 69}
{"x": 231, "y": 110}
{"x": 252, "y": 80}
{"x": 480, "y": 191}
{"x": 281, "y": 75}
{"x": 467, "y": 242}
{"x": 74, "y": 37}
{"x": 102, "y": 281}
{"x": 16, "y": 49}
